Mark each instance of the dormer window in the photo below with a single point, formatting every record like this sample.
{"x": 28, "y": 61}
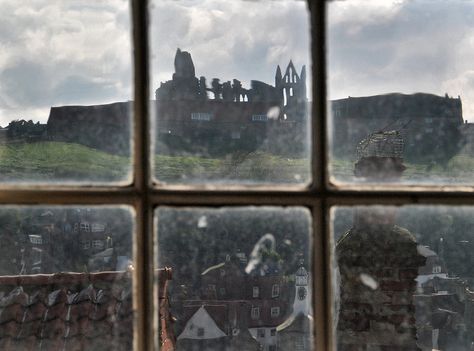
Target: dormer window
{"x": 255, "y": 292}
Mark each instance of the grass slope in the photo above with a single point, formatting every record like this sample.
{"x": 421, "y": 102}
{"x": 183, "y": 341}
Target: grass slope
{"x": 459, "y": 170}
{"x": 57, "y": 161}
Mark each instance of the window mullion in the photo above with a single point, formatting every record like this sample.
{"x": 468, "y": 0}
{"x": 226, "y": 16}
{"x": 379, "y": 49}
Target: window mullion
{"x": 143, "y": 289}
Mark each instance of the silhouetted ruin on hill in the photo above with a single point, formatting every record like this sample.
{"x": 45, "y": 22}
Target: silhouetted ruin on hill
{"x": 195, "y": 118}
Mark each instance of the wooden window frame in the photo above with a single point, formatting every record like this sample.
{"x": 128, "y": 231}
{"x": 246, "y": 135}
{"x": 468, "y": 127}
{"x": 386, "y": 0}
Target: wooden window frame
{"x": 144, "y": 196}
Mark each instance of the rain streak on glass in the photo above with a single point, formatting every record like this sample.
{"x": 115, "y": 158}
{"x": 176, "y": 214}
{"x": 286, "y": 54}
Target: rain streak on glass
{"x": 235, "y": 278}
{"x": 66, "y": 278}
{"x": 231, "y": 87}
{"x": 401, "y": 93}
{"x": 65, "y": 110}
{"x": 404, "y": 277}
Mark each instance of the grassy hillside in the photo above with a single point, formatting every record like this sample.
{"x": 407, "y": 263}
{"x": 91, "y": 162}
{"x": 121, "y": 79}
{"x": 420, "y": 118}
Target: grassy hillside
{"x": 57, "y": 161}
{"x": 459, "y": 170}
{"x": 254, "y": 167}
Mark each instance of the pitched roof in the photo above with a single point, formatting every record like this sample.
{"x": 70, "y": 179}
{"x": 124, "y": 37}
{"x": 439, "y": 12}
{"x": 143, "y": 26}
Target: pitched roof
{"x": 66, "y": 311}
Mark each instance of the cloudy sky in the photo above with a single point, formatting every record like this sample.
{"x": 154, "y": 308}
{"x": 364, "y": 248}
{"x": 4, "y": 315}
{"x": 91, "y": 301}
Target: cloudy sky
{"x": 57, "y": 52}
{"x": 402, "y": 46}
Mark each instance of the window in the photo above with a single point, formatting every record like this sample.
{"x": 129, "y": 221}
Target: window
{"x": 273, "y": 332}
{"x": 261, "y": 333}
{"x": 200, "y": 332}
{"x": 259, "y": 118}
{"x": 36, "y": 239}
{"x": 85, "y": 227}
{"x": 86, "y": 244}
{"x": 98, "y": 244}
{"x": 200, "y": 116}
{"x": 202, "y": 183}
{"x": 275, "y": 290}
{"x": 275, "y": 312}
{"x": 255, "y": 292}
{"x": 255, "y": 313}
{"x": 436, "y": 269}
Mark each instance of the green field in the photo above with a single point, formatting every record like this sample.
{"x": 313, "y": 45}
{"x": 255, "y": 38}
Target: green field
{"x": 459, "y": 170}
{"x": 57, "y": 161}
{"x": 253, "y": 167}
{"x": 65, "y": 162}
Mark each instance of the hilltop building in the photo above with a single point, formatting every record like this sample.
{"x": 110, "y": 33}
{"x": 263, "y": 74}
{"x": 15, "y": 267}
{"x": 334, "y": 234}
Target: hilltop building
{"x": 430, "y": 125}
{"x": 224, "y": 117}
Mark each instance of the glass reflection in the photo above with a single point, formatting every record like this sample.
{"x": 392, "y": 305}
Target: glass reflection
{"x": 404, "y": 278}
{"x": 65, "y": 94}
{"x": 227, "y": 111}
{"x": 66, "y": 278}
{"x": 241, "y": 278}
{"x": 385, "y": 79}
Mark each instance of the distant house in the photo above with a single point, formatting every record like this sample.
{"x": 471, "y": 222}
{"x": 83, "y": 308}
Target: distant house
{"x": 235, "y": 305}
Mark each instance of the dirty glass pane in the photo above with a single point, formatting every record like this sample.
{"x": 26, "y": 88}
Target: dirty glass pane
{"x": 231, "y": 89}
{"x": 65, "y": 73}
{"x": 234, "y": 278}
{"x": 404, "y": 277}
{"x": 66, "y": 278}
{"x": 401, "y": 98}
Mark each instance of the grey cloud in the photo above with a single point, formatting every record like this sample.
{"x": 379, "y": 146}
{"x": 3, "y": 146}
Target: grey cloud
{"x": 238, "y": 39}
{"x": 25, "y": 82}
{"x": 56, "y": 52}
{"x": 413, "y": 46}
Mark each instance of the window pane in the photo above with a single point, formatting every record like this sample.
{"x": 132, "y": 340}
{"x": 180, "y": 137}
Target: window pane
{"x": 400, "y": 90}
{"x": 65, "y": 94}
{"x": 404, "y": 277}
{"x": 231, "y": 82}
{"x": 241, "y": 278}
{"x": 66, "y": 278}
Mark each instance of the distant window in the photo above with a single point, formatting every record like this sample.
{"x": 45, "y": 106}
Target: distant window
{"x": 261, "y": 333}
{"x": 85, "y": 227}
{"x": 255, "y": 291}
{"x": 273, "y": 332}
{"x": 259, "y": 118}
{"x": 98, "y": 244}
{"x": 200, "y": 116}
{"x": 211, "y": 287}
{"x": 291, "y": 91}
{"x": 255, "y": 313}
{"x": 222, "y": 272}
{"x": 200, "y": 332}
{"x": 37, "y": 256}
{"x": 76, "y": 227}
{"x": 235, "y": 135}
{"x": 222, "y": 291}
{"x": 36, "y": 239}
{"x": 97, "y": 227}
{"x": 86, "y": 244}
{"x": 275, "y": 312}
{"x": 275, "y": 290}
{"x": 437, "y": 269}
